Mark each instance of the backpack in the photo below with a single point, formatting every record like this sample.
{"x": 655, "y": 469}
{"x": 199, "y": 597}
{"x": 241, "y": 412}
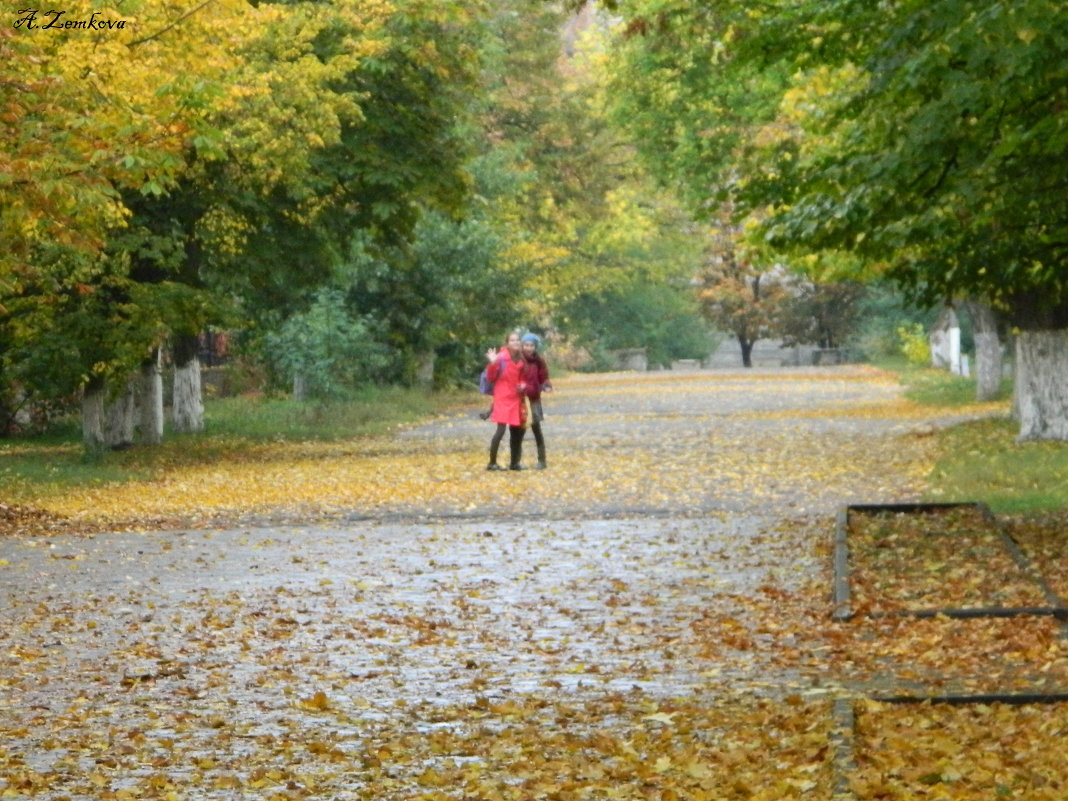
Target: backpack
{"x": 485, "y": 386}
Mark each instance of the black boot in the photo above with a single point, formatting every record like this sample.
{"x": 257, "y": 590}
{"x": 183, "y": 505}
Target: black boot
{"x": 515, "y": 443}
{"x": 539, "y": 440}
{"x": 495, "y": 444}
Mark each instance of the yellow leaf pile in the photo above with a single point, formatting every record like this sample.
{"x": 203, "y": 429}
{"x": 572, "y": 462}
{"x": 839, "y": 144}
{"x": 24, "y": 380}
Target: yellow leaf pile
{"x": 935, "y": 560}
{"x": 968, "y": 752}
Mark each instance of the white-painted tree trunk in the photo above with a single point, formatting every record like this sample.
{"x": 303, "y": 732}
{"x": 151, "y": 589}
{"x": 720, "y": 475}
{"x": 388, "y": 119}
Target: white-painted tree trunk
{"x": 120, "y": 418}
{"x": 150, "y": 431}
{"x": 93, "y": 418}
{"x": 1041, "y": 385}
{"x": 187, "y": 404}
{"x": 988, "y": 360}
{"x": 988, "y": 366}
{"x": 107, "y": 423}
{"x": 954, "y": 351}
{"x": 945, "y": 341}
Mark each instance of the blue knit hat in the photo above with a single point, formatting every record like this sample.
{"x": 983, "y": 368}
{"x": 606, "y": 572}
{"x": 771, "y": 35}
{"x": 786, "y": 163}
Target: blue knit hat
{"x": 532, "y": 338}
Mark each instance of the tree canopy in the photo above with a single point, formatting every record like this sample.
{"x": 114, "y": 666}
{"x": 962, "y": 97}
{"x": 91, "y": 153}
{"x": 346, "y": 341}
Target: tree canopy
{"x": 434, "y": 170}
{"x": 926, "y": 138}
{"x": 181, "y": 162}
{"x": 265, "y": 165}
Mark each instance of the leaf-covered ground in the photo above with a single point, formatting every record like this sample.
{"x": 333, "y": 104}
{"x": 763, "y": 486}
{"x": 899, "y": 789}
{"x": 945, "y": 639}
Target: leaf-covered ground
{"x": 649, "y": 618}
{"x": 618, "y": 444}
{"x": 936, "y": 559}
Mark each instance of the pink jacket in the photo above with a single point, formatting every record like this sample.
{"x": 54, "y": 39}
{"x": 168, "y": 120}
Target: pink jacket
{"x": 507, "y": 401}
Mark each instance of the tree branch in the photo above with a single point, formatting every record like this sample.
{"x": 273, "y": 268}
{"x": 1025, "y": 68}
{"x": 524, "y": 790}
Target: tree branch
{"x": 162, "y": 31}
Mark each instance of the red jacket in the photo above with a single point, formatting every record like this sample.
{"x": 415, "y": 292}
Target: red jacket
{"x": 507, "y": 402}
{"x": 536, "y": 376}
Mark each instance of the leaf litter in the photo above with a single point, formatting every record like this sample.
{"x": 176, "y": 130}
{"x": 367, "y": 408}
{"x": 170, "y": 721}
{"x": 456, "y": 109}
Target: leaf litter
{"x": 649, "y": 618}
{"x": 937, "y": 558}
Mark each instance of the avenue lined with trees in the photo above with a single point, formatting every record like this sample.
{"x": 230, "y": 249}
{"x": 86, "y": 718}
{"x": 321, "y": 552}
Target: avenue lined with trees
{"x": 839, "y": 582}
{"x": 370, "y": 192}
{"x": 921, "y": 142}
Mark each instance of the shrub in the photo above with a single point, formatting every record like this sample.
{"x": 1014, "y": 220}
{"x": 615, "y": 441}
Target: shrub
{"x": 914, "y": 344}
{"x": 327, "y": 350}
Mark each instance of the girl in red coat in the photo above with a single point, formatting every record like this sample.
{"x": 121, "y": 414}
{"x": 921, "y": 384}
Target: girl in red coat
{"x": 505, "y": 371}
{"x": 536, "y": 378}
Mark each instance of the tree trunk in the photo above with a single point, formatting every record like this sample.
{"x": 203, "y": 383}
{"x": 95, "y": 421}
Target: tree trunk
{"x": 987, "y": 350}
{"x": 1041, "y": 386}
{"x": 93, "y": 416}
{"x": 747, "y": 350}
{"x": 424, "y": 370}
{"x": 188, "y": 404}
{"x": 15, "y": 410}
{"x": 119, "y": 417}
{"x": 107, "y": 423}
{"x": 151, "y": 396}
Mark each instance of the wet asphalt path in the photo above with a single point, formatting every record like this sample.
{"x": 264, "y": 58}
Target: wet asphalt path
{"x": 671, "y": 514}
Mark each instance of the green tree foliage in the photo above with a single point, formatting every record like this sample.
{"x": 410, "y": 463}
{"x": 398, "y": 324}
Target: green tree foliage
{"x": 585, "y": 224}
{"x": 823, "y": 314}
{"x": 383, "y": 192}
{"x": 374, "y": 105}
{"x": 79, "y": 127}
{"x": 947, "y": 151}
{"x": 176, "y": 174}
{"x": 442, "y": 297}
{"x": 662, "y": 318}
{"x": 923, "y": 137}
{"x": 326, "y": 351}
{"x": 693, "y": 128}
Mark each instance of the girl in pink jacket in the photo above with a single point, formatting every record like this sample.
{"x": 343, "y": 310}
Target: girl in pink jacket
{"x": 505, "y": 371}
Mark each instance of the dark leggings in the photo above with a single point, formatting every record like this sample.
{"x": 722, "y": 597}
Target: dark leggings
{"x": 539, "y": 440}
{"x": 515, "y": 443}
